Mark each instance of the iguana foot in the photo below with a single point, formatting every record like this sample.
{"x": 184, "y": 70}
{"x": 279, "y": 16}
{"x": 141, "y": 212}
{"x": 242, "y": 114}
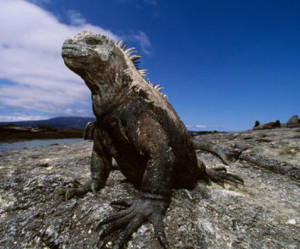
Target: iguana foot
{"x": 68, "y": 193}
{"x": 135, "y": 212}
{"x": 220, "y": 176}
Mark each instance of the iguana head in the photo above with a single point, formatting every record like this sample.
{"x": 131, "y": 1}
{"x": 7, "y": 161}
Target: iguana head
{"x": 107, "y": 68}
{"x": 86, "y": 50}
{"x": 102, "y": 65}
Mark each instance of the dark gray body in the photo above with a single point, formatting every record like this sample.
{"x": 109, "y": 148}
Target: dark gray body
{"x": 133, "y": 134}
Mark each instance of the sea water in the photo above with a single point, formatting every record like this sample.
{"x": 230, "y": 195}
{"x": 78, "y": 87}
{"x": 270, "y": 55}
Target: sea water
{"x": 35, "y": 143}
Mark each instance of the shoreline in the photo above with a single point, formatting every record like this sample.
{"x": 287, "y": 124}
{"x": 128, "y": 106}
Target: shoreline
{"x": 17, "y": 140}
{"x": 12, "y": 135}
{"x": 35, "y": 143}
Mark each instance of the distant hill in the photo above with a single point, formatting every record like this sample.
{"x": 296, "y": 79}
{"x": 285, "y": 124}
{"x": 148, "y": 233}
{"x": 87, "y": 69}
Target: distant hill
{"x": 58, "y": 122}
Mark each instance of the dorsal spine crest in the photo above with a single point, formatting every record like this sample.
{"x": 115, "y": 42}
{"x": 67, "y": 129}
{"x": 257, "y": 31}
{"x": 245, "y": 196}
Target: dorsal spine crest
{"x": 131, "y": 55}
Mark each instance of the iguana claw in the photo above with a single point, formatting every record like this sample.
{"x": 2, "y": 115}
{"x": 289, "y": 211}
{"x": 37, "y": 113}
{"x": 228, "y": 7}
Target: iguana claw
{"x": 137, "y": 211}
{"x": 220, "y": 176}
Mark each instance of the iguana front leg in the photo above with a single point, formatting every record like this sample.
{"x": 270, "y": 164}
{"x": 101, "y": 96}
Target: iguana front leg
{"x": 101, "y": 165}
{"x": 155, "y": 193}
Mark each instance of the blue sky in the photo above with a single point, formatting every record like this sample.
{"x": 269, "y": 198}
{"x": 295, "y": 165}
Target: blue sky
{"x": 223, "y": 64}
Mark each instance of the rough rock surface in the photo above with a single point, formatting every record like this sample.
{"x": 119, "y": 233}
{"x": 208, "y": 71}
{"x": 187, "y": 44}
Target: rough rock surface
{"x": 293, "y": 122}
{"x": 264, "y": 213}
{"x": 269, "y": 125}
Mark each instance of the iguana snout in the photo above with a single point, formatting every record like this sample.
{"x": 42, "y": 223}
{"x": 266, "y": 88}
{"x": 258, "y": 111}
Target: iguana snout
{"x": 86, "y": 49}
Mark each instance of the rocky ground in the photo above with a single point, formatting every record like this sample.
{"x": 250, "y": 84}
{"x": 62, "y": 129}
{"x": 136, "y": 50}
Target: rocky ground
{"x": 264, "y": 213}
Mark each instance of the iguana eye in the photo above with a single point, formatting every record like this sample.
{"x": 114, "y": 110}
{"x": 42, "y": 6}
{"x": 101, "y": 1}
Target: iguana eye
{"x": 92, "y": 41}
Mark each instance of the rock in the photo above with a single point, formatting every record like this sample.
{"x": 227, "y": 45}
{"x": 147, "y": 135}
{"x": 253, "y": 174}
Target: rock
{"x": 293, "y": 122}
{"x": 264, "y": 213}
{"x": 256, "y": 124}
{"x": 264, "y": 126}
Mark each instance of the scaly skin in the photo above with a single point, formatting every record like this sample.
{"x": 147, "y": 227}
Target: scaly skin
{"x": 198, "y": 144}
{"x": 136, "y": 125}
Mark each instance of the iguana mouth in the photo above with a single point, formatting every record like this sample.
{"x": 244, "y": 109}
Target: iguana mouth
{"x": 73, "y": 51}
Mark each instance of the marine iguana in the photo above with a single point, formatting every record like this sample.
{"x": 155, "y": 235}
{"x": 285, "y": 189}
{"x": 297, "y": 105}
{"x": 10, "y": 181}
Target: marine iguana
{"x": 136, "y": 125}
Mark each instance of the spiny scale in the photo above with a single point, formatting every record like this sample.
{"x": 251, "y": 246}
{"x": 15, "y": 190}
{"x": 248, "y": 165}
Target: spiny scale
{"x": 135, "y": 57}
{"x": 119, "y": 43}
{"x": 122, "y": 44}
{"x": 130, "y": 52}
{"x": 158, "y": 87}
{"x": 143, "y": 72}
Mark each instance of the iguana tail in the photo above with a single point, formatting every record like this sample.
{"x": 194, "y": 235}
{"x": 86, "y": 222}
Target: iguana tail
{"x": 213, "y": 148}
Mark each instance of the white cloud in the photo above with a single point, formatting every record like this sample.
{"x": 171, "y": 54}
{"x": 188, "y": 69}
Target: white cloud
{"x": 30, "y": 55}
{"x": 196, "y": 127}
{"x": 21, "y": 117}
{"x": 30, "y": 48}
{"x": 76, "y": 18}
{"x": 201, "y": 126}
{"x": 40, "y": 1}
{"x": 144, "y": 41}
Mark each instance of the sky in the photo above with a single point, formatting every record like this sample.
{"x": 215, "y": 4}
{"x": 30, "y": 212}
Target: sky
{"x": 223, "y": 64}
